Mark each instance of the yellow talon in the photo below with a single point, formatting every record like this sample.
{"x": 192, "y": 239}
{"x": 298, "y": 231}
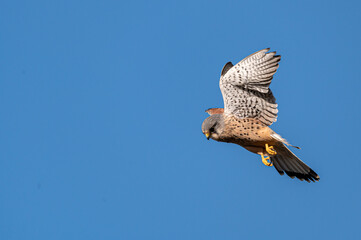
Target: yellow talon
{"x": 266, "y": 160}
{"x": 270, "y": 150}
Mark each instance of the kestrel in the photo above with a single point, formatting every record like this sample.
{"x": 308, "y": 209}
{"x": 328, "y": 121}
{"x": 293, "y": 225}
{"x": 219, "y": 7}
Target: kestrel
{"x": 249, "y": 109}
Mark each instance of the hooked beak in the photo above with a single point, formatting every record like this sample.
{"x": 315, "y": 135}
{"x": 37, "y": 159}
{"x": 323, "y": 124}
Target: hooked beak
{"x": 207, "y": 135}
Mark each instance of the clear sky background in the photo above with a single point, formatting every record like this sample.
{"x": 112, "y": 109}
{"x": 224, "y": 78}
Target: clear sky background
{"x": 101, "y": 110}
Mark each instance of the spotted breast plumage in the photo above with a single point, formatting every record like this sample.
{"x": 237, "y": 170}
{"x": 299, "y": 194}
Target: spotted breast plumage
{"x": 249, "y": 109}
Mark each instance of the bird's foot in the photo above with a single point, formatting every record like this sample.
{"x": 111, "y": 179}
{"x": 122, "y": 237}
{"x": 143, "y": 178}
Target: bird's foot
{"x": 270, "y": 150}
{"x": 266, "y": 160}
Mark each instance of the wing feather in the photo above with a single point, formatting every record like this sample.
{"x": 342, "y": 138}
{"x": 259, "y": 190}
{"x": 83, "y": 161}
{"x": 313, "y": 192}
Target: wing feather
{"x": 245, "y": 87}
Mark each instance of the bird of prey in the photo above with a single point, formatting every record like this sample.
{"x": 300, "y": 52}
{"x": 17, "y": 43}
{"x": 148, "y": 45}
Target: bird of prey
{"x": 249, "y": 109}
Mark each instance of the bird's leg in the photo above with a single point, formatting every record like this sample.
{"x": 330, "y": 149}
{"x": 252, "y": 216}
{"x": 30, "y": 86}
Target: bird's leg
{"x": 266, "y": 160}
{"x": 270, "y": 150}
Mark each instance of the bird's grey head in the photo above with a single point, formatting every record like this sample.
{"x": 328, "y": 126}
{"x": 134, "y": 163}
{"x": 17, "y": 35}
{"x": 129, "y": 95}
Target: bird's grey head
{"x": 212, "y": 127}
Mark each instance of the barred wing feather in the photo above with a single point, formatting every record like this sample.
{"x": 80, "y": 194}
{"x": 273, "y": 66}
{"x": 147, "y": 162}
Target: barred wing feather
{"x": 245, "y": 87}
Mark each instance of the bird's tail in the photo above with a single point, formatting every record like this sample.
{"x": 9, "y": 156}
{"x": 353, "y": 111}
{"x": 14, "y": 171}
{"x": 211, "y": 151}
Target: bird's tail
{"x": 286, "y": 161}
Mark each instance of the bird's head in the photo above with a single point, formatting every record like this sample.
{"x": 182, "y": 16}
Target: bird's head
{"x": 212, "y": 126}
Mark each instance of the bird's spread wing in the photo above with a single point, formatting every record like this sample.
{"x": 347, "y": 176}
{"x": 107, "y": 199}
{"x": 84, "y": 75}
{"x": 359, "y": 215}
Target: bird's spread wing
{"x": 245, "y": 87}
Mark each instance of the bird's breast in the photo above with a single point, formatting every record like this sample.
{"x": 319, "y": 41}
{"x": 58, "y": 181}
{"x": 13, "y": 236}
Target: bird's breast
{"x": 245, "y": 132}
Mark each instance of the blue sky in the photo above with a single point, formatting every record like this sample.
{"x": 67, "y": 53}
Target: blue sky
{"x": 102, "y": 104}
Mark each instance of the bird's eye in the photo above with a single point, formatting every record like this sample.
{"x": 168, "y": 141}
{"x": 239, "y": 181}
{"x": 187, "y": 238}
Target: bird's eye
{"x": 211, "y": 129}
